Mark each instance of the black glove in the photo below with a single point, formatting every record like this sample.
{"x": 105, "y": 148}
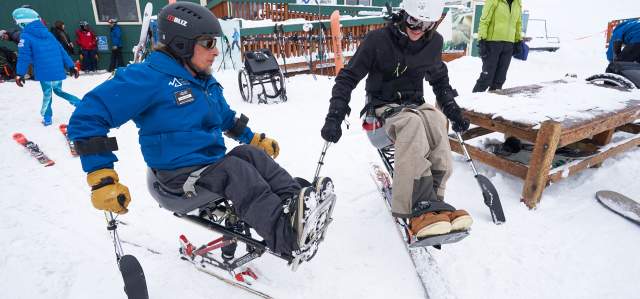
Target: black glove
{"x": 452, "y": 111}
{"x": 482, "y": 48}
{"x": 20, "y": 81}
{"x": 517, "y": 48}
{"x": 331, "y": 130}
{"x": 74, "y": 72}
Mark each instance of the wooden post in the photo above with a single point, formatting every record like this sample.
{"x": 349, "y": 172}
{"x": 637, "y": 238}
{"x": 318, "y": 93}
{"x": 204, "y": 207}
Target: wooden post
{"x": 602, "y": 139}
{"x": 543, "y": 151}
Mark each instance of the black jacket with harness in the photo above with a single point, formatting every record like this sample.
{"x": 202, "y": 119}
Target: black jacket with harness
{"x": 396, "y": 67}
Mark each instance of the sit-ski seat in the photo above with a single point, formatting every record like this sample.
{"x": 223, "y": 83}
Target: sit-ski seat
{"x": 176, "y": 200}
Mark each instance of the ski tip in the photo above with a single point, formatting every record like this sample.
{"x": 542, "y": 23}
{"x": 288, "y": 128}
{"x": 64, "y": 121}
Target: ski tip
{"x": 50, "y": 163}
{"x": 19, "y": 137}
{"x": 63, "y": 127}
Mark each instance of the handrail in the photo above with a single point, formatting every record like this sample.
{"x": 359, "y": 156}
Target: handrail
{"x": 297, "y": 27}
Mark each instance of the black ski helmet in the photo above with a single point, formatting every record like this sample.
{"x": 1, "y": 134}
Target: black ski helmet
{"x": 180, "y": 23}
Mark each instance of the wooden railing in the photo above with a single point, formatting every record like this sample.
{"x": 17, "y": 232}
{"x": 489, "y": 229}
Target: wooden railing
{"x": 300, "y": 43}
{"x": 294, "y": 42}
{"x": 280, "y": 10}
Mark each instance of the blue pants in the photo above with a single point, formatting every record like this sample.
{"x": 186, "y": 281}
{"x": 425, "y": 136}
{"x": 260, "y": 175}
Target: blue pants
{"x": 89, "y": 62}
{"x": 49, "y": 87}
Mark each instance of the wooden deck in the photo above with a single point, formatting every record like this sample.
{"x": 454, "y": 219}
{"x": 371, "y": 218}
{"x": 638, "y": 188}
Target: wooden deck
{"x": 549, "y": 136}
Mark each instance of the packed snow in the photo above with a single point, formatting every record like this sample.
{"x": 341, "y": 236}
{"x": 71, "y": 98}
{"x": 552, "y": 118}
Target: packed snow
{"x": 55, "y": 244}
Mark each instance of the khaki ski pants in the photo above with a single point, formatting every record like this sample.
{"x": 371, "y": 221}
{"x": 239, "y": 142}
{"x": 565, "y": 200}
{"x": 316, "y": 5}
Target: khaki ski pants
{"x": 422, "y": 156}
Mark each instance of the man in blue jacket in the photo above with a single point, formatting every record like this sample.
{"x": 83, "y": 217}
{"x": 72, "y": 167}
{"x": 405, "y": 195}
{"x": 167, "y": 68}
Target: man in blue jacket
{"x": 116, "y": 45}
{"x": 181, "y": 114}
{"x": 625, "y": 42}
{"x": 39, "y": 47}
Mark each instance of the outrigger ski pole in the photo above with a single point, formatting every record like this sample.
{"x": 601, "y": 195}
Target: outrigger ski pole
{"x": 321, "y": 161}
{"x": 489, "y": 192}
{"x": 135, "y": 284}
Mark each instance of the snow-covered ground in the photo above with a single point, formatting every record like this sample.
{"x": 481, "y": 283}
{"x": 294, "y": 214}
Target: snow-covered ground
{"x": 55, "y": 244}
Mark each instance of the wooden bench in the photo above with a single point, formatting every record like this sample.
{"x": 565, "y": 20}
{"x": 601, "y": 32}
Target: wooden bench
{"x": 551, "y": 134}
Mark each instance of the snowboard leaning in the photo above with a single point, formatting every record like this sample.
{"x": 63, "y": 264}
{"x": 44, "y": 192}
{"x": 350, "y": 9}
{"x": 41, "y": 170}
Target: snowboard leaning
{"x": 620, "y": 204}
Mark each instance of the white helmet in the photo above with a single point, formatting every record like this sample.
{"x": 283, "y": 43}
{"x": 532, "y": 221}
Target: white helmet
{"x": 424, "y": 10}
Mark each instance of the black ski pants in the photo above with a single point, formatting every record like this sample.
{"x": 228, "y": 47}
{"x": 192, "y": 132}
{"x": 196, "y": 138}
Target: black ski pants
{"x": 630, "y": 52}
{"x": 116, "y": 59}
{"x": 495, "y": 64}
{"x": 255, "y": 184}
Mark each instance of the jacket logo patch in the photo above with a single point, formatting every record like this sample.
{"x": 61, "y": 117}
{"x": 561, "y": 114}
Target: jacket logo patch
{"x": 176, "y": 82}
{"x": 184, "y": 96}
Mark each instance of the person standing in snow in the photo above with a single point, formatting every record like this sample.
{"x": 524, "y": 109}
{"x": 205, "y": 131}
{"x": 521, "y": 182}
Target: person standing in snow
{"x": 86, "y": 39}
{"x": 62, "y": 36}
{"x": 625, "y": 42}
{"x": 397, "y": 59}
{"x": 39, "y": 47}
{"x": 181, "y": 114}
{"x": 500, "y": 35}
{"x": 116, "y": 45}
{"x": 236, "y": 39}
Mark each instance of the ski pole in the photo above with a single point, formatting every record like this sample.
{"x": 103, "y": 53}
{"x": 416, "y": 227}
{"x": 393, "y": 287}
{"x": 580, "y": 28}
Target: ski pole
{"x": 489, "y": 192}
{"x": 466, "y": 153}
{"x": 135, "y": 284}
{"x": 112, "y": 227}
{"x": 321, "y": 160}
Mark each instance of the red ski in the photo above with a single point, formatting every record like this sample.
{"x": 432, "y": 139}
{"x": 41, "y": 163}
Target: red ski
{"x": 33, "y": 149}
{"x": 72, "y": 149}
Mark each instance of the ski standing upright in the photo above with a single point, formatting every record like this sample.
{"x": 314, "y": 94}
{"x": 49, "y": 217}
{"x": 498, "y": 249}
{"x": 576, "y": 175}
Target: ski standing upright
{"x": 336, "y": 39}
{"x": 140, "y": 50}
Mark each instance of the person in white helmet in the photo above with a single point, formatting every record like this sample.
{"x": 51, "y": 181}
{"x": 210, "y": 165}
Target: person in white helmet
{"x": 398, "y": 59}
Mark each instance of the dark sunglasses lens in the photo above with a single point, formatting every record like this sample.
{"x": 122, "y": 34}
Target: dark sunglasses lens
{"x": 207, "y": 42}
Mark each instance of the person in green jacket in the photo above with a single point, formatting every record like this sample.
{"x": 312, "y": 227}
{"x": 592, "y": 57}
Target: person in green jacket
{"x": 500, "y": 34}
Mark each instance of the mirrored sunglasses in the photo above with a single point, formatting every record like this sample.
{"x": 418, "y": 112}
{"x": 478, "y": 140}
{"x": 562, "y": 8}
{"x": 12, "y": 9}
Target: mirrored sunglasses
{"x": 415, "y": 24}
{"x": 208, "y": 41}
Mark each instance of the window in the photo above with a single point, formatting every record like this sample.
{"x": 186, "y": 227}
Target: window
{"x": 358, "y": 2}
{"x": 125, "y": 11}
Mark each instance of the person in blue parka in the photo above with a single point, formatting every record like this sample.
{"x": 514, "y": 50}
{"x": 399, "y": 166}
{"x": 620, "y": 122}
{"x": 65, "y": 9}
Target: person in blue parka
{"x": 181, "y": 114}
{"x": 625, "y": 42}
{"x": 116, "y": 45}
{"x": 39, "y": 47}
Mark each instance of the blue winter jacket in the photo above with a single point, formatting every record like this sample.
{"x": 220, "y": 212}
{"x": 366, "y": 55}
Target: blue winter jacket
{"x": 628, "y": 32}
{"x": 116, "y": 36}
{"x": 39, "y": 47}
{"x": 180, "y": 118}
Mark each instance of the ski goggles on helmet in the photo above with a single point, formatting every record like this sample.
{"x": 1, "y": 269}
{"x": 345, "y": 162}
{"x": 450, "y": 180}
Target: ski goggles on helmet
{"x": 415, "y": 24}
{"x": 207, "y": 41}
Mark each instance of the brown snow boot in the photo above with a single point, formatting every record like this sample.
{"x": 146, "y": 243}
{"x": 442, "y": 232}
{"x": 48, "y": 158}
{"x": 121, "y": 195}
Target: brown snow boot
{"x": 429, "y": 224}
{"x": 460, "y": 219}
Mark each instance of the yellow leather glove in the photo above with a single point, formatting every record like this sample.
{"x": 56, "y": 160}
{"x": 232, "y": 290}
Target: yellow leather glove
{"x": 106, "y": 193}
{"x": 267, "y": 144}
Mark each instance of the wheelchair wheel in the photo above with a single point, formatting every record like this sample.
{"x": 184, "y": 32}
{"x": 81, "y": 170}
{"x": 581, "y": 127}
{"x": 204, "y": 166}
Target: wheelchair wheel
{"x": 246, "y": 86}
{"x": 611, "y": 80}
